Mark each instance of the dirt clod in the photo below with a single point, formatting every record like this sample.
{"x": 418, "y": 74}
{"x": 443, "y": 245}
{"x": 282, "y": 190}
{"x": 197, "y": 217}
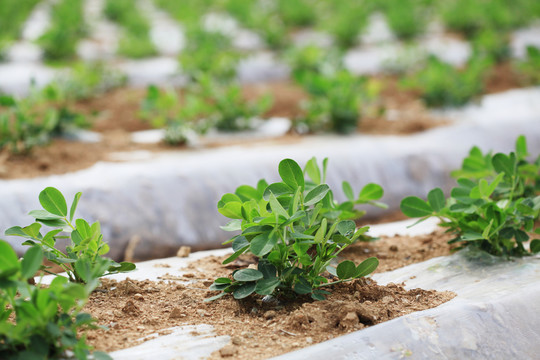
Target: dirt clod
{"x": 228, "y": 351}
{"x": 184, "y": 251}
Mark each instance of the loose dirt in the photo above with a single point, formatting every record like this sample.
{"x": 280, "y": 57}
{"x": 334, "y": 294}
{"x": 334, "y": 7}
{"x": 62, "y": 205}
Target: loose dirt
{"x": 133, "y": 309}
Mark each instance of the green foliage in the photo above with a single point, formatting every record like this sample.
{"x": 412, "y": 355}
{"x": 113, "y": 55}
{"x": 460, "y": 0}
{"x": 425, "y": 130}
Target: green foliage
{"x": 335, "y": 101}
{"x": 68, "y": 27}
{"x": 204, "y": 105}
{"x": 443, "y": 85}
{"x": 529, "y": 69}
{"x": 407, "y": 18}
{"x": 495, "y": 205}
{"x": 47, "y": 321}
{"x": 209, "y": 53}
{"x": 13, "y": 13}
{"x": 344, "y": 20}
{"x": 300, "y": 13}
{"x": 83, "y": 259}
{"x": 296, "y": 229}
{"x": 135, "y": 42}
{"x": 470, "y": 17}
{"x": 492, "y": 44}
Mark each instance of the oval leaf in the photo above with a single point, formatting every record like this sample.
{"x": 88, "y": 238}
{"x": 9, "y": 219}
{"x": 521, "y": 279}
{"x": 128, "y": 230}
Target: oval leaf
{"x": 247, "y": 275}
{"x": 371, "y": 192}
{"x": 367, "y": 267}
{"x": 262, "y": 244}
{"x": 291, "y": 173}
{"x": 436, "y": 199}
{"x": 244, "y": 290}
{"x": 346, "y": 270}
{"x": 8, "y": 257}
{"x": 31, "y": 262}
{"x": 53, "y": 201}
{"x": 278, "y": 189}
{"x": 267, "y": 286}
{"x": 316, "y": 195}
{"x": 413, "y": 206}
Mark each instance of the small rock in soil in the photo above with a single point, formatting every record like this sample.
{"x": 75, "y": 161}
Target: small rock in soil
{"x": 270, "y": 314}
{"x": 237, "y": 340}
{"x": 184, "y": 251}
{"x": 131, "y": 309}
{"x": 394, "y": 248}
{"x": 350, "y": 320}
{"x": 228, "y": 351}
{"x": 177, "y": 313}
{"x": 138, "y": 297}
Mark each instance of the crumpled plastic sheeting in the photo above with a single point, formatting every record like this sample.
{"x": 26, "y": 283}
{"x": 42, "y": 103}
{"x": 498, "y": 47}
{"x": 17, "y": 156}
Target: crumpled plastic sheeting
{"x": 494, "y": 316}
{"x": 171, "y": 200}
{"x": 180, "y": 341}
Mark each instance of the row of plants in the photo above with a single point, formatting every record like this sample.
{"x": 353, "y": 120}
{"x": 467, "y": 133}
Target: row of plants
{"x": 50, "y": 112}
{"x": 47, "y": 322}
{"x": 294, "y": 228}
{"x": 135, "y": 41}
{"x": 13, "y": 13}
{"x": 67, "y": 27}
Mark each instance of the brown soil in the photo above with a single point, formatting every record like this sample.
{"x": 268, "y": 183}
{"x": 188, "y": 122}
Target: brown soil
{"x": 503, "y": 77}
{"x": 134, "y": 309}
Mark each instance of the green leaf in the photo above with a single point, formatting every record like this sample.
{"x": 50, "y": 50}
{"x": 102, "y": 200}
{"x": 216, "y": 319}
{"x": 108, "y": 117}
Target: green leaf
{"x": 371, "y": 192}
{"x": 346, "y": 270}
{"x": 267, "y": 286}
{"x": 321, "y": 232}
{"x": 319, "y": 294}
{"x": 535, "y": 246}
{"x": 302, "y": 287}
{"x": 244, "y": 290}
{"x": 521, "y": 147}
{"x": 348, "y": 190}
{"x": 366, "y": 267}
{"x": 124, "y": 266}
{"x": 232, "y": 210}
{"x": 346, "y": 227}
{"x": 316, "y": 195}
{"x": 8, "y": 257}
{"x": 31, "y": 262}
{"x": 313, "y": 171}
{"x": 264, "y": 243}
{"x": 413, "y": 206}
{"x": 233, "y": 225}
{"x": 436, "y": 199}
{"x": 234, "y": 256}
{"x": 53, "y": 201}
{"x": 247, "y": 275}
{"x": 504, "y": 163}
{"x": 74, "y": 205}
{"x": 278, "y": 189}
{"x": 43, "y": 215}
{"x": 246, "y": 193}
{"x": 291, "y": 173}
{"x": 276, "y": 207}
{"x": 325, "y": 168}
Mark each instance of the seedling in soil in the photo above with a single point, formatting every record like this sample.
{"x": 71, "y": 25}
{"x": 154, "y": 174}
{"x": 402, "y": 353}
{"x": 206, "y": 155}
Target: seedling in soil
{"x": 40, "y": 322}
{"x": 296, "y": 230}
{"x": 495, "y": 206}
{"x": 443, "y": 85}
{"x": 83, "y": 260}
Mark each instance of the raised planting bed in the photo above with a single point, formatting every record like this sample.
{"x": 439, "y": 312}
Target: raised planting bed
{"x": 492, "y": 303}
{"x": 162, "y": 198}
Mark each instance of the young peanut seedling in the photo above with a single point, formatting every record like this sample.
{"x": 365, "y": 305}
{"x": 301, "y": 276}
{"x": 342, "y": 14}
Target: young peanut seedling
{"x": 83, "y": 260}
{"x": 495, "y": 206}
{"x": 296, "y": 229}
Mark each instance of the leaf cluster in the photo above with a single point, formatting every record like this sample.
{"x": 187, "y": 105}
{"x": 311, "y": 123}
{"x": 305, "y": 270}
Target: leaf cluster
{"x": 59, "y": 42}
{"x": 495, "y": 205}
{"x": 528, "y": 68}
{"x": 83, "y": 259}
{"x": 135, "y": 41}
{"x": 296, "y": 230}
{"x": 40, "y": 322}
{"x": 441, "y": 84}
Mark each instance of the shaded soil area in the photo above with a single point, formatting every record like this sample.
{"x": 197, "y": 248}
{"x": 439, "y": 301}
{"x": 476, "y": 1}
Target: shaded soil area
{"x": 134, "y": 309}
